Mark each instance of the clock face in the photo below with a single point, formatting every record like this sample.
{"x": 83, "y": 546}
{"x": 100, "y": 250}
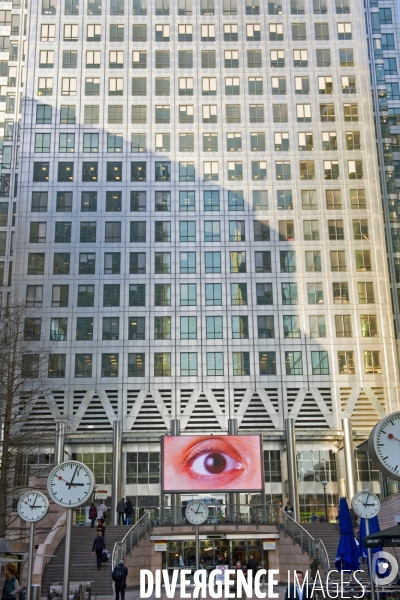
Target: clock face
{"x": 384, "y": 445}
{"x": 197, "y": 512}
{"x": 33, "y": 506}
{"x": 70, "y": 484}
{"x": 366, "y": 504}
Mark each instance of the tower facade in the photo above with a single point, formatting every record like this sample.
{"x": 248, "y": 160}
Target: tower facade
{"x": 199, "y": 232}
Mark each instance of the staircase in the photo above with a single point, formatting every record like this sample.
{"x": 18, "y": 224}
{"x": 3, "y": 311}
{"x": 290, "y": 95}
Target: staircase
{"x": 83, "y": 563}
{"x": 329, "y": 533}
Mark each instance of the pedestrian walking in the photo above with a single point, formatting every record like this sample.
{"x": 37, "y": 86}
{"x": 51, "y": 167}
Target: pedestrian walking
{"x": 121, "y": 507}
{"x": 11, "y": 584}
{"x": 314, "y": 518}
{"x": 238, "y": 567}
{"x": 92, "y": 514}
{"x": 288, "y": 509}
{"x": 314, "y": 567}
{"x": 252, "y": 565}
{"x": 128, "y": 511}
{"x": 102, "y": 511}
{"x": 97, "y": 548}
{"x": 101, "y": 529}
{"x": 300, "y": 591}
{"x": 119, "y": 575}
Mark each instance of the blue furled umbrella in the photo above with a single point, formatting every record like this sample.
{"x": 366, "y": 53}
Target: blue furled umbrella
{"x": 347, "y": 552}
{"x": 373, "y": 528}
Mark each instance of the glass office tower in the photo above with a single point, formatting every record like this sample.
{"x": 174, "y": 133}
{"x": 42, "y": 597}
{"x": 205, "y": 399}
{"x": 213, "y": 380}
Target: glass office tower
{"x": 200, "y": 232}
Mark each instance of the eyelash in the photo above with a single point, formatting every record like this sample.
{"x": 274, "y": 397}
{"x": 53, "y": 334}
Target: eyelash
{"x": 194, "y": 453}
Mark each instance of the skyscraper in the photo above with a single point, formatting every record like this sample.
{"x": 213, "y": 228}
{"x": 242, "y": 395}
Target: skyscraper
{"x": 199, "y": 224}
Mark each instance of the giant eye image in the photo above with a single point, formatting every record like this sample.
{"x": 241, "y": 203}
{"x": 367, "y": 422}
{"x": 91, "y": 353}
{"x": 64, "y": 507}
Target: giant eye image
{"x": 212, "y": 463}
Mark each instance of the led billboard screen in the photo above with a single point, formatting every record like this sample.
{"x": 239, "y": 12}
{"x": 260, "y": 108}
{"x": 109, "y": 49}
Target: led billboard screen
{"x": 212, "y": 463}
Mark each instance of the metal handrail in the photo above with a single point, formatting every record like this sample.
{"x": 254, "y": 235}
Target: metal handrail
{"x": 131, "y": 539}
{"x": 305, "y": 540}
{"x": 327, "y": 567}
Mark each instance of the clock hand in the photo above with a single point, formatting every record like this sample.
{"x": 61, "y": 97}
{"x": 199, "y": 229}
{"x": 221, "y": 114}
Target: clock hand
{"x": 68, "y": 483}
{"x": 367, "y": 499}
{"x": 73, "y": 476}
{"x": 34, "y": 502}
{"x": 391, "y": 437}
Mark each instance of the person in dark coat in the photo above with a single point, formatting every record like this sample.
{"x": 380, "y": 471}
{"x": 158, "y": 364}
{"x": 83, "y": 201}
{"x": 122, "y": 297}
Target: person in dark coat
{"x": 314, "y": 567}
{"x": 92, "y": 514}
{"x": 288, "y": 509}
{"x": 293, "y": 591}
{"x": 121, "y": 511}
{"x": 101, "y": 528}
{"x": 98, "y": 547}
{"x": 252, "y": 565}
{"x": 128, "y": 511}
{"x": 120, "y": 585}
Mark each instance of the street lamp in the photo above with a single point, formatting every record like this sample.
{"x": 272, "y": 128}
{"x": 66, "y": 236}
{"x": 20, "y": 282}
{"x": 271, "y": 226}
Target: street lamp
{"x": 324, "y": 484}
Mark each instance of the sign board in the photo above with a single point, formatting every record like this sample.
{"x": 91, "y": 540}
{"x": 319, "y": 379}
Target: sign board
{"x": 212, "y": 463}
{"x": 269, "y": 544}
{"x": 160, "y": 546}
{"x": 220, "y": 576}
{"x": 13, "y": 546}
{"x": 101, "y": 494}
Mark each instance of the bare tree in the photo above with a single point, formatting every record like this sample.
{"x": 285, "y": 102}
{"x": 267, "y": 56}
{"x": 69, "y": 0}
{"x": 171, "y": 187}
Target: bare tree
{"x": 24, "y": 364}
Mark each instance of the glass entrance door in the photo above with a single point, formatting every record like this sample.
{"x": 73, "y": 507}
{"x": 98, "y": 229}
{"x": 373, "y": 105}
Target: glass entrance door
{"x": 182, "y": 554}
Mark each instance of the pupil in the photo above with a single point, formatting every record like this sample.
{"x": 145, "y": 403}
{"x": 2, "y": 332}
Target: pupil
{"x": 215, "y": 463}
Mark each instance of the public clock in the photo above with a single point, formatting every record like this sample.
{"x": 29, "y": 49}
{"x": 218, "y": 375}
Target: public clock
{"x": 365, "y": 504}
{"x": 70, "y": 484}
{"x": 384, "y": 445}
{"x": 32, "y": 506}
{"x": 197, "y": 512}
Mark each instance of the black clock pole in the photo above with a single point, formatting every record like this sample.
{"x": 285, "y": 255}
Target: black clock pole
{"x": 197, "y": 547}
{"x": 30, "y": 561}
{"x": 369, "y": 554}
{"x": 67, "y": 556}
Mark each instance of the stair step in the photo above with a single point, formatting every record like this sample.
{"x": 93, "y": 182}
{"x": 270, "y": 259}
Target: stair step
{"x": 329, "y": 533}
{"x": 83, "y": 563}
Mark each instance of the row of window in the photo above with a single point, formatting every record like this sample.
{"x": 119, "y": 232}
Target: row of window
{"x": 186, "y": 112}
{"x": 162, "y": 172}
{"x": 188, "y": 294}
{"x": 162, "y": 85}
{"x": 185, "y": 32}
{"x": 185, "y": 7}
{"x": 214, "y": 363}
{"x": 139, "y": 61}
{"x": 187, "y": 200}
{"x": 188, "y": 263}
{"x": 211, "y": 230}
{"x": 209, "y": 114}
{"x": 188, "y": 329}
{"x": 186, "y": 141}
